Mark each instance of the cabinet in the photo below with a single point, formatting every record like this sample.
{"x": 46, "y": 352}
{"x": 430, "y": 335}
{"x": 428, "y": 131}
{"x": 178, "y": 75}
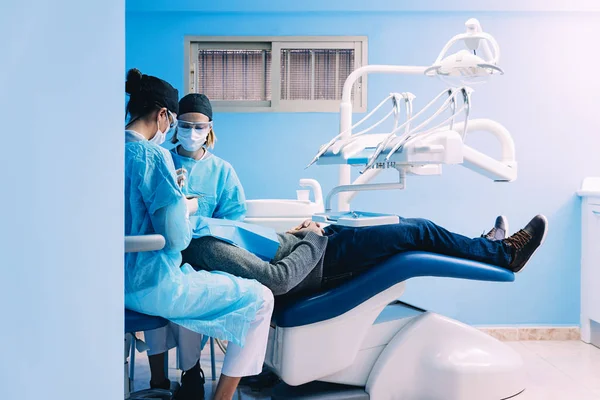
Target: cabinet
{"x": 590, "y": 260}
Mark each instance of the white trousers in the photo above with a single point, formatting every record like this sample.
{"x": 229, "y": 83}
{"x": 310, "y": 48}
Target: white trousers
{"x": 164, "y": 339}
{"x": 248, "y": 360}
{"x": 239, "y": 361}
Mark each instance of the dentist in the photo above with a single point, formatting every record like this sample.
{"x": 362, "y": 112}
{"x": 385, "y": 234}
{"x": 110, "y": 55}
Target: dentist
{"x": 215, "y": 304}
{"x": 217, "y": 193}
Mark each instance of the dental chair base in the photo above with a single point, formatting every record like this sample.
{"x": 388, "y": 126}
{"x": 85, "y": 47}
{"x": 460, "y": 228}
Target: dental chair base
{"x": 354, "y": 335}
{"x": 318, "y": 391}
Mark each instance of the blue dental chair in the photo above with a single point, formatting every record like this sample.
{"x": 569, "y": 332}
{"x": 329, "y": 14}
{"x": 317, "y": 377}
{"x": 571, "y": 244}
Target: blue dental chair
{"x": 358, "y": 342}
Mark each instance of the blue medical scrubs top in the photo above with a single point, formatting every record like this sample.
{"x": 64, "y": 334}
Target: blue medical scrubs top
{"x": 214, "y": 180}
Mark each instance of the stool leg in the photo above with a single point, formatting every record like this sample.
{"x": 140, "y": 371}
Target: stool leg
{"x": 167, "y": 364}
{"x": 132, "y": 358}
{"x": 213, "y": 369}
{"x": 127, "y": 352}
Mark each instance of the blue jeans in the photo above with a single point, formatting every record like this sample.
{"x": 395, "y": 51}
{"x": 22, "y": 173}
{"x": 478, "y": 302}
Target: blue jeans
{"x": 353, "y": 250}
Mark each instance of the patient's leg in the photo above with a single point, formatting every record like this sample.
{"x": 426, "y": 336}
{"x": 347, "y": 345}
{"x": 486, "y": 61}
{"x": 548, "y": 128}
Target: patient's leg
{"x": 281, "y": 275}
{"x": 355, "y": 249}
{"x": 361, "y": 248}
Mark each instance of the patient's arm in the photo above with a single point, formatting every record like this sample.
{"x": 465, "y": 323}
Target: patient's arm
{"x": 294, "y": 264}
{"x": 305, "y": 227}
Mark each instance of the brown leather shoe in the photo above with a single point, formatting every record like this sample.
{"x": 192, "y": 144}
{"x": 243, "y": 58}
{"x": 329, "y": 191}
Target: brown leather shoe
{"x": 525, "y": 242}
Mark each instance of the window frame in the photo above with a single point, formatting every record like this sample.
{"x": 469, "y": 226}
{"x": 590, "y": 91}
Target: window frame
{"x": 276, "y": 44}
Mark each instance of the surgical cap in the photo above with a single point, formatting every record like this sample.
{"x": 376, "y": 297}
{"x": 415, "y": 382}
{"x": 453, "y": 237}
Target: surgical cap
{"x": 195, "y": 102}
{"x": 147, "y": 89}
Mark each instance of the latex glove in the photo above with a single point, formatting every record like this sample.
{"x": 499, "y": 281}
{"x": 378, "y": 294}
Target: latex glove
{"x": 181, "y": 174}
{"x": 191, "y": 205}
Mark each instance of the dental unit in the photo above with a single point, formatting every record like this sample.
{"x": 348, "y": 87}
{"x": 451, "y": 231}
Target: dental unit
{"x": 357, "y": 341}
{"x": 417, "y": 149}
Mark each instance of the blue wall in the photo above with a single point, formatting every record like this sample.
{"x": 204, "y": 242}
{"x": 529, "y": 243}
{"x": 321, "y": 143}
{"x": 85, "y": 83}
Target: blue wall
{"x": 61, "y": 218}
{"x": 270, "y": 6}
{"x": 546, "y": 99}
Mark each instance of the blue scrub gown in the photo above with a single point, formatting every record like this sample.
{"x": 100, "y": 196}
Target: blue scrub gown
{"x": 216, "y": 304}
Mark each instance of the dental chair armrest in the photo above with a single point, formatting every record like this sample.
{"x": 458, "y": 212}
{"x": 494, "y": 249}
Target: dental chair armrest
{"x": 140, "y": 243}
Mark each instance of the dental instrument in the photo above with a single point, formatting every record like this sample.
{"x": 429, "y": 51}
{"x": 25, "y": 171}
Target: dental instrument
{"x": 408, "y": 98}
{"x": 407, "y": 135}
{"x": 466, "y": 92}
{"x": 181, "y": 177}
{"x": 326, "y": 147}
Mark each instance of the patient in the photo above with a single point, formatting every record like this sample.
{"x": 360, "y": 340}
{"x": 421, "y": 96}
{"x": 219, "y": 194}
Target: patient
{"x": 310, "y": 258}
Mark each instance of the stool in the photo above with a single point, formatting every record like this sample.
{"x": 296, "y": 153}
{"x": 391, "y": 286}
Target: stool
{"x": 136, "y": 322}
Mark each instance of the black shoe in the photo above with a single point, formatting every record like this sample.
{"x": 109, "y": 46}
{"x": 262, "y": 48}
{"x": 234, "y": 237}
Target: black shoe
{"x": 164, "y": 385}
{"x": 266, "y": 379}
{"x": 525, "y": 242}
{"x": 499, "y": 231}
{"x": 192, "y": 384}
{"x": 160, "y": 391}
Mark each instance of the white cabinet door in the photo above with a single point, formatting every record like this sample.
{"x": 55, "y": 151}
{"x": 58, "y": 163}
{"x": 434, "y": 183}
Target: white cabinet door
{"x": 592, "y": 262}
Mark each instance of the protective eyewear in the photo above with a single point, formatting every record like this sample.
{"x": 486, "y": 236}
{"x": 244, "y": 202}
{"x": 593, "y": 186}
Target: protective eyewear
{"x": 195, "y": 125}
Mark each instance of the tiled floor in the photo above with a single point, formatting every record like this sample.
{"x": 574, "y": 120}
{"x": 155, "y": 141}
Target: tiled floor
{"x": 567, "y": 370}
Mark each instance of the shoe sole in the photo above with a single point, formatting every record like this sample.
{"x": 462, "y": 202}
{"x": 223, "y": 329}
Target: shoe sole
{"x": 539, "y": 245}
{"x": 505, "y": 223}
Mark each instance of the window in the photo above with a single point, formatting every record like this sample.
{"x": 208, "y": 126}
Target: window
{"x": 287, "y": 74}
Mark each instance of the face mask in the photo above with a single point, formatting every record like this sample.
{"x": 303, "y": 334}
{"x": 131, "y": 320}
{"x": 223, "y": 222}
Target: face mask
{"x": 160, "y": 137}
{"x": 192, "y": 139}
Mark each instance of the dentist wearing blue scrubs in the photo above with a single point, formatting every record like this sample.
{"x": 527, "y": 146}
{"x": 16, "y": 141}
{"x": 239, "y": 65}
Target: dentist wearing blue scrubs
{"x": 215, "y": 304}
{"x": 217, "y": 193}
{"x": 212, "y": 179}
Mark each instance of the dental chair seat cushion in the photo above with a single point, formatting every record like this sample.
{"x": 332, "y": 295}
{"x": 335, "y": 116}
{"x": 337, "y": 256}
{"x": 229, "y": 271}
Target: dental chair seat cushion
{"x": 334, "y": 302}
{"x": 136, "y": 322}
